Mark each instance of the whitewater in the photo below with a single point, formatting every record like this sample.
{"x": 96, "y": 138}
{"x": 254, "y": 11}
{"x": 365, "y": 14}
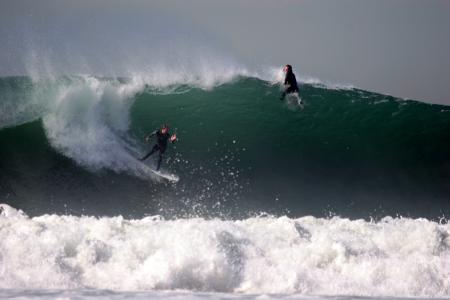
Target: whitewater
{"x": 261, "y": 255}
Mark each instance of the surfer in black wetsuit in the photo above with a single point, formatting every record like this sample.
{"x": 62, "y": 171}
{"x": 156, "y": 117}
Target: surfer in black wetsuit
{"x": 162, "y": 136}
{"x": 290, "y": 82}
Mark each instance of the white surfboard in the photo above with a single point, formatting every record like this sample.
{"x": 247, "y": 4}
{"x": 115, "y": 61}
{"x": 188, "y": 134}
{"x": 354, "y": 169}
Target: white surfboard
{"x": 166, "y": 176}
{"x": 170, "y": 177}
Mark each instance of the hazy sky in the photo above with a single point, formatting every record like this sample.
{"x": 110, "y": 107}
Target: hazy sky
{"x": 400, "y": 47}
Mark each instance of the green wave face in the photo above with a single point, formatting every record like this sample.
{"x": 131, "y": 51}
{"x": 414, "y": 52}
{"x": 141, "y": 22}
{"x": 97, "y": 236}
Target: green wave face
{"x": 243, "y": 151}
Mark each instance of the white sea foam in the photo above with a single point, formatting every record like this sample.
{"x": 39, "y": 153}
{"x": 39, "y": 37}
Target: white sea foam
{"x": 391, "y": 257}
{"x": 86, "y": 120}
{"x": 166, "y": 295}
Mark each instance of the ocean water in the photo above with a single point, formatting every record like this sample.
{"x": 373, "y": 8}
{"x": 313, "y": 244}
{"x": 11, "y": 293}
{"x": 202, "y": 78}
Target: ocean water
{"x": 347, "y": 197}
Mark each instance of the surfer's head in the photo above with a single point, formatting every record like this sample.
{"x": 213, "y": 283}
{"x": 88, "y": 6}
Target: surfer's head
{"x": 164, "y": 128}
{"x": 287, "y": 69}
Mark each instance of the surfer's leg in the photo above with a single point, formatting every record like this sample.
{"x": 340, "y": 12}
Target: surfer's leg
{"x": 154, "y": 149}
{"x": 161, "y": 152}
{"x": 159, "y": 162}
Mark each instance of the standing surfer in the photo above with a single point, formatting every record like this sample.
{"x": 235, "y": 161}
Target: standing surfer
{"x": 290, "y": 82}
{"x": 162, "y": 136}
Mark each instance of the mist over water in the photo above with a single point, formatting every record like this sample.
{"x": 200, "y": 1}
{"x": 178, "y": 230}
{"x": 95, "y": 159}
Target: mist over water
{"x": 146, "y": 43}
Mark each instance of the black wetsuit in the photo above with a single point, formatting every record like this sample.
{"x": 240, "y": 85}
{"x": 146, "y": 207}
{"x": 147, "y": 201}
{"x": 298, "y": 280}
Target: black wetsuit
{"x": 291, "y": 83}
{"x": 161, "y": 145}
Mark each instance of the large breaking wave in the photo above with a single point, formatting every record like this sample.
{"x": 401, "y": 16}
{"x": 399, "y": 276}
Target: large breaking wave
{"x": 69, "y": 144}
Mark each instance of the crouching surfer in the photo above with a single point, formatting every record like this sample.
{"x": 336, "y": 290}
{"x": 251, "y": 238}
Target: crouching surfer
{"x": 162, "y": 137}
